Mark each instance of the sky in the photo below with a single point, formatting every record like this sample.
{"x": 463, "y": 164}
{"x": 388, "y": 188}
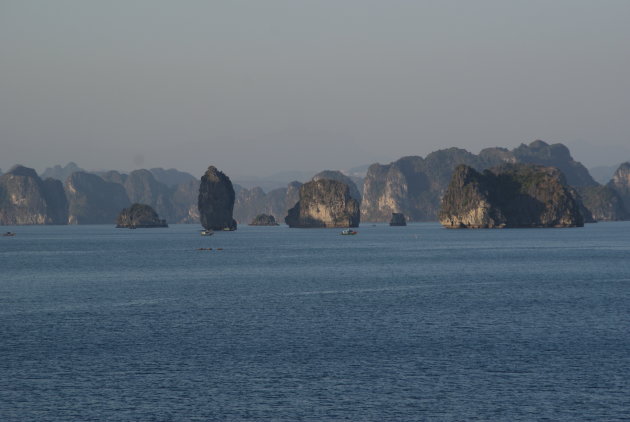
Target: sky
{"x": 258, "y": 87}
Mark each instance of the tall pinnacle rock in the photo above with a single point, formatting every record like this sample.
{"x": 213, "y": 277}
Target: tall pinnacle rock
{"x": 216, "y": 201}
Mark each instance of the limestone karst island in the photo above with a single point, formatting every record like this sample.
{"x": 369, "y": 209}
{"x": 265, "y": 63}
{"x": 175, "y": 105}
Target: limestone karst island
{"x": 534, "y": 185}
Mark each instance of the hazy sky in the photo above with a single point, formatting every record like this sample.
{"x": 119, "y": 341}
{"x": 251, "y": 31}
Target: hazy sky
{"x": 263, "y": 86}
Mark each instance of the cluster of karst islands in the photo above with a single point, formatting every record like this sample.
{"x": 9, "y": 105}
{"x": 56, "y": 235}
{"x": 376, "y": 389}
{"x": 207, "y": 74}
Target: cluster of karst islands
{"x": 535, "y": 185}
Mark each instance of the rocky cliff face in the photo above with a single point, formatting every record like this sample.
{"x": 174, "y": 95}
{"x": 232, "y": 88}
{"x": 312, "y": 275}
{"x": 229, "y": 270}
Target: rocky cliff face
{"x": 604, "y": 203}
{"x": 555, "y": 155}
{"x": 324, "y": 203}
{"x": 177, "y": 202}
{"x": 216, "y": 201}
{"x": 93, "y": 200}
{"x": 251, "y": 202}
{"x": 264, "y": 220}
{"x": 139, "y": 216}
{"x": 340, "y": 177}
{"x": 142, "y": 188}
{"x": 414, "y": 186}
{"x": 56, "y": 200}
{"x": 114, "y": 177}
{"x": 185, "y": 197}
{"x": 398, "y": 219}
{"x": 620, "y": 183}
{"x": 172, "y": 177}
{"x": 26, "y": 199}
{"x": 512, "y": 195}
{"x": 61, "y": 173}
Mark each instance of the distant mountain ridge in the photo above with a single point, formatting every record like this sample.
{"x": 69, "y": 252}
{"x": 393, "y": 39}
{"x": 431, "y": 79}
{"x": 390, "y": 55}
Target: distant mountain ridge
{"x": 411, "y": 185}
{"x": 414, "y": 185}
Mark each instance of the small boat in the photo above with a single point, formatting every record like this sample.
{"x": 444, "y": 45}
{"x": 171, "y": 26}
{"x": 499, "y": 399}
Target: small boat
{"x": 208, "y": 232}
{"x": 8, "y": 234}
{"x": 348, "y": 232}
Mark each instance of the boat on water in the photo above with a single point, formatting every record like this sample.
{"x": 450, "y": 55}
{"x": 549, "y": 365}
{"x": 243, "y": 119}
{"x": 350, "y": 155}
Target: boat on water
{"x": 8, "y": 234}
{"x": 348, "y": 232}
{"x": 208, "y": 232}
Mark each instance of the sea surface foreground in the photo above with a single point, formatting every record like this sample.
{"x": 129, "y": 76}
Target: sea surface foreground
{"x": 393, "y": 324}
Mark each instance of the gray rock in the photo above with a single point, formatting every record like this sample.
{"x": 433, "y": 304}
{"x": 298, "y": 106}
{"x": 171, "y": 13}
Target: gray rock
{"x": 324, "y": 203}
{"x": 61, "y": 173}
{"x": 26, "y": 199}
{"x": 139, "y": 216}
{"x": 339, "y": 176}
{"x": 92, "y": 200}
{"x": 604, "y": 203}
{"x": 264, "y": 220}
{"x": 142, "y": 188}
{"x": 398, "y": 219}
{"x": 216, "y": 201}
{"x": 620, "y": 183}
{"x": 512, "y": 195}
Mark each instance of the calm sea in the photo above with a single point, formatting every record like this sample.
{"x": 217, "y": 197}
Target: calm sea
{"x": 393, "y": 324}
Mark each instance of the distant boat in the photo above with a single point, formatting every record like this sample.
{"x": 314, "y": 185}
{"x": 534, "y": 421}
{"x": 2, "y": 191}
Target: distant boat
{"x": 8, "y": 234}
{"x": 348, "y": 232}
{"x": 208, "y": 232}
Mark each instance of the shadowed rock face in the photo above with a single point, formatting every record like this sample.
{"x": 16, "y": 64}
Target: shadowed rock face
{"x": 61, "y": 173}
{"x": 93, "y": 200}
{"x": 620, "y": 183}
{"x": 513, "y": 195}
{"x": 415, "y": 185}
{"x": 264, "y": 220}
{"x": 185, "y": 197}
{"x": 216, "y": 201}
{"x": 139, "y": 216}
{"x": 604, "y": 203}
{"x": 171, "y": 177}
{"x": 398, "y": 219}
{"x": 324, "y": 203}
{"x": 142, "y": 188}
{"x": 252, "y": 202}
{"x": 26, "y": 199}
{"x": 56, "y": 199}
{"x": 555, "y": 155}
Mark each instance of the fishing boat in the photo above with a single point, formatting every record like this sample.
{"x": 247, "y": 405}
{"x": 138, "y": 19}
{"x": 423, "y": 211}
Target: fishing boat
{"x": 348, "y": 232}
{"x": 8, "y": 234}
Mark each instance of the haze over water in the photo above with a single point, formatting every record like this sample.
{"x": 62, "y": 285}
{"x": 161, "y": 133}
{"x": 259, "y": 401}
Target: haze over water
{"x": 404, "y": 323}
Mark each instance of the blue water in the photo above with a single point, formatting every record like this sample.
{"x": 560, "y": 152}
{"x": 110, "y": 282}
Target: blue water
{"x": 394, "y": 324}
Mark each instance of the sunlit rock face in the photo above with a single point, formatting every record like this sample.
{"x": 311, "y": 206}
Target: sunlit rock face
{"x": 324, "y": 203}
{"x": 26, "y": 199}
{"x": 340, "y": 177}
{"x": 216, "y": 201}
{"x": 513, "y": 195}
{"x": 414, "y": 185}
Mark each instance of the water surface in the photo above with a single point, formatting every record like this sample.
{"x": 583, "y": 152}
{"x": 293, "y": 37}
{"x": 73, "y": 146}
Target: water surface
{"x": 395, "y": 323}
